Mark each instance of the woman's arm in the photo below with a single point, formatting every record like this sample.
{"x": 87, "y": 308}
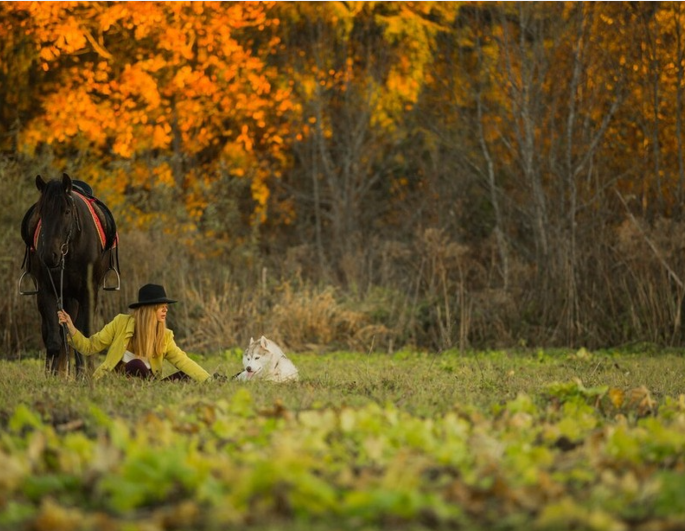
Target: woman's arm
{"x": 88, "y": 345}
{"x": 181, "y": 361}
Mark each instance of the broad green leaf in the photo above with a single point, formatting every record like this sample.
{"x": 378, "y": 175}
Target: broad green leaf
{"x": 22, "y": 418}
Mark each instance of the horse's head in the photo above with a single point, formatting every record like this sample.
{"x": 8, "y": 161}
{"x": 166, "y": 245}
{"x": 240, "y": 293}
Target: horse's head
{"x": 57, "y": 212}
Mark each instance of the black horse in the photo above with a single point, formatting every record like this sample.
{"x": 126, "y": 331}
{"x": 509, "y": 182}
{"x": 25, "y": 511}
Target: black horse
{"x": 71, "y": 246}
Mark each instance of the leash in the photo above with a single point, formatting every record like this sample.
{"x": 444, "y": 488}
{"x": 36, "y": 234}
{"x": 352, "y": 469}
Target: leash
{"x": 60, "y": 297}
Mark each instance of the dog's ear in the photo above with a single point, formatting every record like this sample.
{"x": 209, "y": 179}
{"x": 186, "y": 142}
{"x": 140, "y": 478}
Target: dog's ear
{"x": 264, "y": 342}
{"x": 251, "y": 340}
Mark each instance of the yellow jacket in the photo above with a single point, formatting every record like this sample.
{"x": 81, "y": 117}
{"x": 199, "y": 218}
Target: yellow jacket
{"x": 115, "y": 337}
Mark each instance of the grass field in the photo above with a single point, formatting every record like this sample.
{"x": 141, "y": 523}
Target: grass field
{"x": 489, "y": 440}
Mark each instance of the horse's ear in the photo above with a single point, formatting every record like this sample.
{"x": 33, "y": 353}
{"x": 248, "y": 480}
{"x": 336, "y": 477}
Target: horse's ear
{"x": 66, "y": 182}
{"x": 40, "y": 183}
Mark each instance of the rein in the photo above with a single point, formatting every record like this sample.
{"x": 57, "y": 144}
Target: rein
{"x": 64, "y": 250}
{"x": 60, "y": 296}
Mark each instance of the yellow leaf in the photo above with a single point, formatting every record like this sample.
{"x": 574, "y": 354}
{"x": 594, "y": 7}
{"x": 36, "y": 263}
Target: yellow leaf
{"x": 617, "y": 397}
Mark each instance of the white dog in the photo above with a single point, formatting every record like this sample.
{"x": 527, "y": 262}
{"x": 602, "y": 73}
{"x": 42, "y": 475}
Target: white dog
{"x": 264, "y": 360}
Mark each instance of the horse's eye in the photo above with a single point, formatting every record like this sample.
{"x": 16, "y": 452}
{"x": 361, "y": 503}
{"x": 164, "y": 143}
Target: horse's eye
{"x": 67, "y": 212}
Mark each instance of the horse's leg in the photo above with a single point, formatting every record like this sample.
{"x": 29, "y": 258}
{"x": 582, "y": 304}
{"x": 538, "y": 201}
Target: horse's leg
{"x": 47, "y": 307}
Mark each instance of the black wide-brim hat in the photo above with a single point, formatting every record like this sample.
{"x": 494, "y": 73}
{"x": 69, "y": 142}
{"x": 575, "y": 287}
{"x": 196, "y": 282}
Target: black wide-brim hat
{"x": 151, "y": 294}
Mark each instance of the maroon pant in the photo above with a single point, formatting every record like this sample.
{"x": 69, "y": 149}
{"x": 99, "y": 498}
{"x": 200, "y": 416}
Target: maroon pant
{"x": 137, "y": 368}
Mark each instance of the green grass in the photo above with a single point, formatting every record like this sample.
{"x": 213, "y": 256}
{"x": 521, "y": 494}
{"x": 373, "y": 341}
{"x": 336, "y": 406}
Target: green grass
{"x": 421, "y": 384}
{"x": 489, "y": 440}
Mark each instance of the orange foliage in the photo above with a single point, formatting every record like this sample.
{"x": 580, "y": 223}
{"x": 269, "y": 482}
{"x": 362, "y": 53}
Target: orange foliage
{"x": 134, "y": 80}
{"x": 174, "y": 97}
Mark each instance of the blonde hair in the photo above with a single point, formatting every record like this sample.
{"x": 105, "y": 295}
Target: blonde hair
{"x": 148, "y": 336}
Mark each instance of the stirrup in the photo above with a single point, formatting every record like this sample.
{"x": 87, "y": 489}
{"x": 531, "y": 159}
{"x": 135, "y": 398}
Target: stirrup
{"x": 117, "y": 287}
{"x": 35, "y": 284}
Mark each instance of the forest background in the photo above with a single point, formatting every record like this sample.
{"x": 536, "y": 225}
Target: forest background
{"x": 363, "y": 175}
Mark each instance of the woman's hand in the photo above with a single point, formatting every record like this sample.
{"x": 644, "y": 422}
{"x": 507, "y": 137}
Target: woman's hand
{"x": 63, "y": 317}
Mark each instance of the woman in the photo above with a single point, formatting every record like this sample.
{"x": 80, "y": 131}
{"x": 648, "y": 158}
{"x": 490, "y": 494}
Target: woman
{"x": 137, "y": 344}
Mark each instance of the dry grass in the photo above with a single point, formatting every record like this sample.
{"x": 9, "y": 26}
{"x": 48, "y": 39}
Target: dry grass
{"x": 428, "y": 291}
{"x": 315, "y": 319}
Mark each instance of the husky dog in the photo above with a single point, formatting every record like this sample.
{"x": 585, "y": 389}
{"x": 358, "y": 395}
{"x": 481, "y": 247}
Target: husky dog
{"x": 264, "y": 360}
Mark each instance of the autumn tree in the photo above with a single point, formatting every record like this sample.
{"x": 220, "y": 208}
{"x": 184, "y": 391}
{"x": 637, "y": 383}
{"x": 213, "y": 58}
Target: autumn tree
{"x": 528, "y": 95}
{"x": 161, "y": 98}
{"x": 359, "y": 68}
